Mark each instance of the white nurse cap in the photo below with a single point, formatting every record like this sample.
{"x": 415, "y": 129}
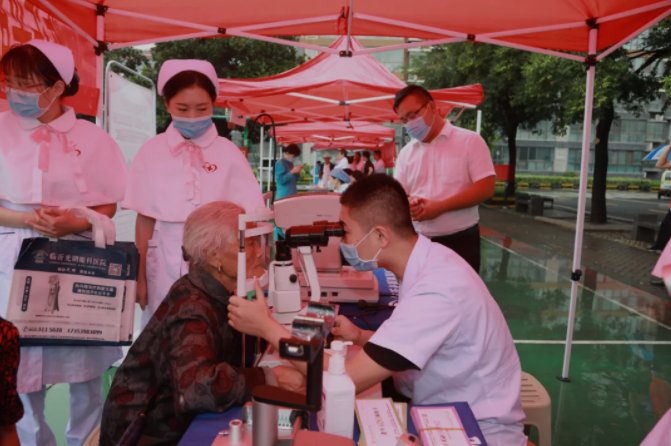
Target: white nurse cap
{"x": 173, "y": 67}
{"x": 60, "y": 56}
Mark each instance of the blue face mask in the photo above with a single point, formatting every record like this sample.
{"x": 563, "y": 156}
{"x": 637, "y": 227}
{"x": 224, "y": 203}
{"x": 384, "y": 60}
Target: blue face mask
{"x": 191, "y": 128}
{"x": 352, "y": 255}
{"x": 417, "y": 128}
{"x": 26, "y": 103}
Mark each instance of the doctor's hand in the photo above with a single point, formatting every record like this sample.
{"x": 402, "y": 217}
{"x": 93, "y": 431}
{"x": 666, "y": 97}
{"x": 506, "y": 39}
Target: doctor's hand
{"x": 250, "y": 317}
{"x": 290, "y": 378}
{"x": 55, "y": 222}
{"x": 345, "y": 330}
{"x": 297, "y": 169}
{"x": 423, "y": 208}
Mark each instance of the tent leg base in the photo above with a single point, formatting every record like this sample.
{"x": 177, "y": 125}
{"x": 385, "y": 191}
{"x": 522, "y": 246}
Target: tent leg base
{"x": 564, "y": 380}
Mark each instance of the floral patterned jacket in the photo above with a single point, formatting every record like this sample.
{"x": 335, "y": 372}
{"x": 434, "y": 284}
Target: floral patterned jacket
{"x": 186, "y": 361}
{"x": 11, "y": 409}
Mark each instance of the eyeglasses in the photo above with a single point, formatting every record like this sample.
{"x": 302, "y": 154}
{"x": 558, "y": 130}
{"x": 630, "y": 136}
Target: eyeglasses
{"x": 22, "y": 85}
{"x": 413, "y": 115}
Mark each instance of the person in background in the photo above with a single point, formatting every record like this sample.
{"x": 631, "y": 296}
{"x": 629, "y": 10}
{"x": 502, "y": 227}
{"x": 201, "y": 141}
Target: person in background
{"x": 326, "y": 165}
{"x": 316, "y": 172}
{"x": 286, "y": 172}
{"x": 664, "y": 233}
{"x": 368, "y": 168}
{"x": 357, "y": 162}
{"x": 51, "y": 161}
{"x": 341, "y": 159}
{"x": 447, "y": 339}
{"x": 12, "y": 409}
{"x": 353, "y": 175}
{"x": 340, "y": 180}
{"x": 379, "y": 162}
{"x": 447, "y": 172}
{"x": 325, "y": 173}
{"x": 179, "y": 170}
{"x": 188, "y": 359}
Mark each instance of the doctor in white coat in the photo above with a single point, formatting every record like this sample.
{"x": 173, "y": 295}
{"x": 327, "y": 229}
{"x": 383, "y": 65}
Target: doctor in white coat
{"x": 447, "y": 339}
{"x": 51, "y": 160}
{"x": 179, "y": 170}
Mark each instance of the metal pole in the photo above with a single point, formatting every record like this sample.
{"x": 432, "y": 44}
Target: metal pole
{"x": 478, "y": 122}
{"x": 582, "y": 198}
{"x": 261, "y": 160}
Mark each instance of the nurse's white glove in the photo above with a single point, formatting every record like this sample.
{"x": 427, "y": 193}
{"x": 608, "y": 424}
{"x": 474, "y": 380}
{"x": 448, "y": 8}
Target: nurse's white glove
{"x": 141, "y": 293}
{"x": 346, "y": 330}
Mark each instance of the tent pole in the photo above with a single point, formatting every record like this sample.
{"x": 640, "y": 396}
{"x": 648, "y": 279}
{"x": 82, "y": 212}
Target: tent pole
{"x": 478, "y": 122}
{"x": 349, "y": 26}
{"x": 59, "y": 14}
{"x": 582, "y": 198}
{"x": 100, "y": 62}
{"x": 262, "y": 165}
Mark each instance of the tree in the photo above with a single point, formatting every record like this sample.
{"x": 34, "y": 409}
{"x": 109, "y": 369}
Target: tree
{"x": 232, "y": 58}
{"x": 509, "y": 103}
{"x": 130, "y": 57}
{"x": 622, "y": 82}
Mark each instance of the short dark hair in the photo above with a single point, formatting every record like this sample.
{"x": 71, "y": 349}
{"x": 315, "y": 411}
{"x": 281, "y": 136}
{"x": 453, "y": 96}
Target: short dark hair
{"x": 366, "y": 154}
{"x": 409, "y": 91}
{"x": 343, "y": 152}
{"x": 188, "y": 79}
{"x": 292, "y": 149}
{"x": 378, "y": 153}
{"x": 379, "y": 199}
{"x": 27, "y": 61}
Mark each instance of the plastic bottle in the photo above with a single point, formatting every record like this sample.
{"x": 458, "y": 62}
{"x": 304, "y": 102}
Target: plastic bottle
{"x": 338, "y": 395}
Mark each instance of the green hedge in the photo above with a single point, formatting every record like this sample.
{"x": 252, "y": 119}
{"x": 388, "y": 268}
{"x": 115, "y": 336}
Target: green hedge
{"x": 572, "y": 181}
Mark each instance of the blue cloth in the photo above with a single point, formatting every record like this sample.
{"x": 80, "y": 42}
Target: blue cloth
{"x": 285, "y": 180}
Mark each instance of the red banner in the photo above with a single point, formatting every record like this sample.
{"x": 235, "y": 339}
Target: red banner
{"x": 22, "y": 20}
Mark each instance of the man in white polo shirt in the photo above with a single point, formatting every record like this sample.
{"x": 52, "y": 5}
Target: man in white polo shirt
{"x": 447, "y": 172}
{"x": 446, "y": 340}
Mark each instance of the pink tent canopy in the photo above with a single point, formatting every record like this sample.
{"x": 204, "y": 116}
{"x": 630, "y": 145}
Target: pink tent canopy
{"x": 330, "y": 87}
{"x": 550, "y": 24}
{"x": 334, "y": 133}
{"x": 563, "y": 28}
{"x": 341, "y": 135}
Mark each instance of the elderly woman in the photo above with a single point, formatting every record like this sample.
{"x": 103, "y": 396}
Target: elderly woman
{"x": 188, "y": 359}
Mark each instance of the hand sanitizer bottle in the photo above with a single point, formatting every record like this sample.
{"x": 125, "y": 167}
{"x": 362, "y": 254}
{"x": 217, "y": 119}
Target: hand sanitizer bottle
{"x": 338, "y": 394}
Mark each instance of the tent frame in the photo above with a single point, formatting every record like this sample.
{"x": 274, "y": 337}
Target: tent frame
{"x": 251, "y": 31}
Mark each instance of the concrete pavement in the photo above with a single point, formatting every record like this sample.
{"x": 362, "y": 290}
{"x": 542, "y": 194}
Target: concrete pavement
{"x": 608, "y": 252}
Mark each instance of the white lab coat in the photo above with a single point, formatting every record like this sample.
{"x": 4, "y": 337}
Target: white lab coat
{"x": 169, "y": 178}
{"x": 68, "y": 162}
{"x": 448, "y": 325}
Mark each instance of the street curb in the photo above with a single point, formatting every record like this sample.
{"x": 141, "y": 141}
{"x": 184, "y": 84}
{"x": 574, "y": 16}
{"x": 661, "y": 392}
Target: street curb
{"x": 588, "y": 226}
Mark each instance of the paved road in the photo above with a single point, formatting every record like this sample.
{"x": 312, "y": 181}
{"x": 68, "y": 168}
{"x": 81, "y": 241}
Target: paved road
{"x": 622, "y": 205}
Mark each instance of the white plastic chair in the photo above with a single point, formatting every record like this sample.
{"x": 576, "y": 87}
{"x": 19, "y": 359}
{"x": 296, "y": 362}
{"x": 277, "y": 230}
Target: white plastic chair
{"x": 537, "y": 407}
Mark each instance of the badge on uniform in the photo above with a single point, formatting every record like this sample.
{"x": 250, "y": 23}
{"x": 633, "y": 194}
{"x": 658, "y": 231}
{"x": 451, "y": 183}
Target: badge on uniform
{"x": 209, "y": 167}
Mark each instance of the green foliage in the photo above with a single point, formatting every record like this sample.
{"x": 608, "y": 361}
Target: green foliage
{"x": 131, "y": 58}
{"x": 513, "y": 95}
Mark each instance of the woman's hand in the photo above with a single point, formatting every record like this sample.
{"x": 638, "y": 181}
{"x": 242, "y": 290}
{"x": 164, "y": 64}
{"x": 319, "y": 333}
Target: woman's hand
{"x": 290, "y": 378}
{"x": 346, "y": 330}
{"x": 250, "y": 317}
{"x": 141, "y": 296}
{"x": 54, "y": 222}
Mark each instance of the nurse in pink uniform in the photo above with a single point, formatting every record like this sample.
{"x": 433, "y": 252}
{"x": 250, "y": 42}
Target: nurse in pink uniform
{"x": 179, "y": 170}
{"x": 50, "y": 160}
